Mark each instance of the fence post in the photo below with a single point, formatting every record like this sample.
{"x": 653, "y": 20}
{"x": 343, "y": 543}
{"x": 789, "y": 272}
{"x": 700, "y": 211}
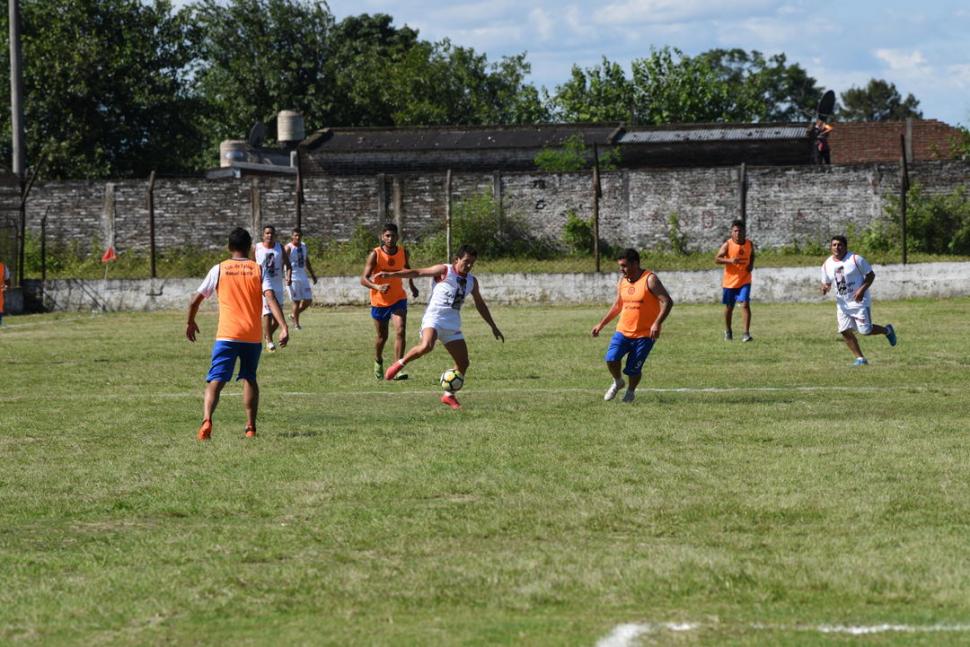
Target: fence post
{"x": 903, "y": 189}
{"x": 151, "y": 224}
{"x": 743, "y": 193}
{"x": 597, "y": 192}
{"x": 448, "y": 215}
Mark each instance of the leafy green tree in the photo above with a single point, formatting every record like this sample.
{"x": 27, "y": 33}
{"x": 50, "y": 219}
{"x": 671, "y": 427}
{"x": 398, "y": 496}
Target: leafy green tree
{"x": 878, "y": 101}
{"x": 257, "y": 57}
{"x": 596, "y": 94}
{"x": 104, "y": 88}
{"x": 670, "y": 87}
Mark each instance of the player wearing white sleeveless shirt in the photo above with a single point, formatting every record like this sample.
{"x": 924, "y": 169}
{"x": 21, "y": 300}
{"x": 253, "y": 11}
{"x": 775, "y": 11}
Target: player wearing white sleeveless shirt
{"x": 852, "y": 275}
{"x": 442, "y": 319}
{"x": 271, "y": 257}
{"x": 444, "y": 307}
{"x": 301, "y": 294}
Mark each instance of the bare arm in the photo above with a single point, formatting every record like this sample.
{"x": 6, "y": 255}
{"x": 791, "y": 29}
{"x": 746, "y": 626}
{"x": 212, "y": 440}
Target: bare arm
{"x": 751, "y": 262}
{"x": 191, "y": 328}
{"x": 486, "y": 315}
{"x": 365, "y": 277}
{"x": 609, "y": 316}
{"x": 407, "y": 266}
{"x": 287, "y": 268}
{"x": 860, "y": 294}
{"x": 658, "y": 290}
{"x": 310, "y": 269}
{"x": 721, "y": 258}
{"x": 434, "y": 270}
{"x": 274, "y": 307}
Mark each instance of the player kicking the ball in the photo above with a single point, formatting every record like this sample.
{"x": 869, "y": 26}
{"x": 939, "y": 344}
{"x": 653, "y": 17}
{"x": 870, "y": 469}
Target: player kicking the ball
{"x": 642, "y": 303}
{"x": 238, "y": 282}
{"x": 442, "y": 318}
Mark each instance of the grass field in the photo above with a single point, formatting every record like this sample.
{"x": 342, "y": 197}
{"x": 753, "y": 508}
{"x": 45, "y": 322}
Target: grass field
{"x": 760, "y": 492}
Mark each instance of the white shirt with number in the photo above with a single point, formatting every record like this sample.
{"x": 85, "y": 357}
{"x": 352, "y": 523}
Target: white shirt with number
{"x": 447, "y": 297}
{"x": 845, "y": 277}
{"x": 270, "y": 259}
{"x": 298, "y": 256}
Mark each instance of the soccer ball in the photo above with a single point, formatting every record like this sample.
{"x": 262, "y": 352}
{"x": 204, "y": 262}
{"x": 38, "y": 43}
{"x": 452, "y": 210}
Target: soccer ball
{"x": 452, "y": 380}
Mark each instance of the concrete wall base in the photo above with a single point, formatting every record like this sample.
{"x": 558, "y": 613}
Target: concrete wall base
{"x": 770, "y": 285}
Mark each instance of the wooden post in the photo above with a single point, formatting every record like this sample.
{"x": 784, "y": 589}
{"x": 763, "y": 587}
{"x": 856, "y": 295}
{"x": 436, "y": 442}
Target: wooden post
{"x": 299, "y": 190}
{"x": 497, "y": 196}
{"x": 448, "y": 215}
{"x": 903, "y": 189}
{"x": 743, "y": 194}
{"x": 43, "y": 255}
{"x": 597, "y": 192}
{"x": 256, "y": 205}
{"x": 151, "y": 224}
{"x": 381, "y": 198}
{"x": 397, "y": 199}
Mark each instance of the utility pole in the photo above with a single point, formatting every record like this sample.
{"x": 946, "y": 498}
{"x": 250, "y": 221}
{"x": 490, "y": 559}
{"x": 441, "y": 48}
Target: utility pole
{"x": 17, "y": 126}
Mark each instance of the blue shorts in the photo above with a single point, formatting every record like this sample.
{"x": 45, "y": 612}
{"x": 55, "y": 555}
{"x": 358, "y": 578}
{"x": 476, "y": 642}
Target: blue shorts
{"x": 741, "y": 294}
{"x": 636, "y": 349}
{"x": 384, "y": 313}
{"x": 224, "y": 354}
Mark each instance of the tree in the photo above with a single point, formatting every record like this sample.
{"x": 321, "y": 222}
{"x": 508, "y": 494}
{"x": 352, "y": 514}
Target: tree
{"x": 257, "y": 57}
{"x": 878, "y": 101}
{"x": 104, "y": 86}
{"x": 596, "y": 94}
{"x": 670, "y": 87}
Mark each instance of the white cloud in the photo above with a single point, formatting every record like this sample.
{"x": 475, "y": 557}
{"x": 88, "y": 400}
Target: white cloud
{"x": 542, "y": 23}
{"x": 902, "y": 62}
{"x": 673, "y": 11}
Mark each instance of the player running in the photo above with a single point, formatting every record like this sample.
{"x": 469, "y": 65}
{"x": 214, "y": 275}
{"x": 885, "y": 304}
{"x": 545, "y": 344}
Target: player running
{"x": 852, "y": 276}
{"x": 442, "y": 319}
{"x": 239, "y": 285}
{"x": 737, "y": 257}
{"x": 388, "y": 300}
{"x": 272, "y": 258}
{"x": 300, "y": 292}
{"x": 643, "y": 304}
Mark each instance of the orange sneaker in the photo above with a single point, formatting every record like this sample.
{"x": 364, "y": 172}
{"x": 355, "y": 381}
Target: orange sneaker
{"x": 393, "y": 370}
{"x": 205, "y": 431}
{"x": 250, "y": 431}
{"x": 450, "y": 400}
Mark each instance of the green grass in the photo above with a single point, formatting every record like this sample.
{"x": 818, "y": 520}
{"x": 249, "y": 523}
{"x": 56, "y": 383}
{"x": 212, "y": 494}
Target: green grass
{"x": 802, "y": 492}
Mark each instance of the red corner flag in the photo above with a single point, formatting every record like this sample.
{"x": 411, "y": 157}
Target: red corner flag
{"x": 109, "y": 255}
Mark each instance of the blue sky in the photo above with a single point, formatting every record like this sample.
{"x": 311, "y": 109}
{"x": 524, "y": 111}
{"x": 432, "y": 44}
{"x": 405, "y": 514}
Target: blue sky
{"x": 922, "y": 47}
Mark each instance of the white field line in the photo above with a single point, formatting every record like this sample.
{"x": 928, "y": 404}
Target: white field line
{"x": 625, "y": 635}
{"x": 195, "y": 393}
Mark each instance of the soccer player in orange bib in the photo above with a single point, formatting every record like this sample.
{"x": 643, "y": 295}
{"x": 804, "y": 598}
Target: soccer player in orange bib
{"x": 737, "y": 257}
{"x": 238, "y": 282}
{"x": 643, "y": 304}
{"x": 388, "y": 300}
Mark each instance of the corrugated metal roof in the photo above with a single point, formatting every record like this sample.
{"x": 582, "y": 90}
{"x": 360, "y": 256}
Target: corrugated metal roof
{"x": 455, "y": 138}
{"x": 752, "y": 133}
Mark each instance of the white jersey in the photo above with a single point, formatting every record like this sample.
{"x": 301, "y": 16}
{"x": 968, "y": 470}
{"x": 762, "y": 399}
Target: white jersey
{"x": 270, "y": 259}
{"x": 847, "y": 276}
{"x": 447, "y": 297}
{"x": 298, "y": 258}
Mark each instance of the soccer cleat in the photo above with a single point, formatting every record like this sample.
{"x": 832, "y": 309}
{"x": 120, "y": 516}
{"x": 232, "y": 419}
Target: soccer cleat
{"x": 747, "y": 337}
{"x": 629, "y": 396}
{"x": 394, "y": 369}
{"x": 450, "y": 400}
{"x": 891, "y": 334}
{"x": 401, "y": 376}
{"x": 728, "y": 336}
{"x": 612, "y": 391}
{"x": 270, "y": 347}
{"x": 205, "y": 431}
{"x": 379, "y": 370}
{"x": 297, "y": 326}
{"x": 250, "y": 431}
{"x": 860, "y": 361}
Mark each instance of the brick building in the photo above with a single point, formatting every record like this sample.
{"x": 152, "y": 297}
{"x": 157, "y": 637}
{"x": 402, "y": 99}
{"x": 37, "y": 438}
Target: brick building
{"x": 866, "y": 142}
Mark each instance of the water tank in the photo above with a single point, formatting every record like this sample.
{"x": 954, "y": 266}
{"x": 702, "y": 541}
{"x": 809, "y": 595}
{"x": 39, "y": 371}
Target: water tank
{"x": 289, "y": 127}
{"x": 233, "y": 150}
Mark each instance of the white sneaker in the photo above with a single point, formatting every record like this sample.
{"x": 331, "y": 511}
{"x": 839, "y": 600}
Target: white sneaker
{"x": 613, "y": 390}
{"x": 629, "y": 396}
{"x": 271, "y": 347}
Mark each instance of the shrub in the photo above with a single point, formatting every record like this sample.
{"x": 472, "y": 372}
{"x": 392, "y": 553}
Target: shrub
{"x": 936, "y": 224}
{"x": 677, "y": 238}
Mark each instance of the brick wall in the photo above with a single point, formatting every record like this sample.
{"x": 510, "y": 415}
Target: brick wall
{"x": 878, "y": 141}
{"x": 784, "y": 204}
